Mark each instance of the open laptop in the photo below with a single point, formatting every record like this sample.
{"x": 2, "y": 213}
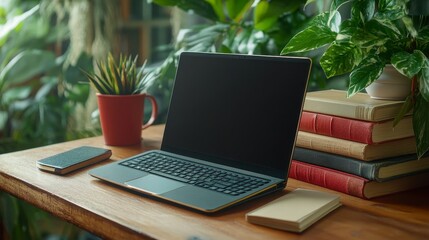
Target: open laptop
{"x": 230, "y": 132}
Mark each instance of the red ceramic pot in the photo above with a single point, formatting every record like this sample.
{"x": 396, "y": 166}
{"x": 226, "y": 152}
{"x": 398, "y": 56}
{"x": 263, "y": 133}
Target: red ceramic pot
{"x": 121, "y": 117}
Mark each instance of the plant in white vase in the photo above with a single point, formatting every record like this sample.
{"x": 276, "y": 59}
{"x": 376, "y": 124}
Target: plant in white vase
{"x": 378, "y": 33}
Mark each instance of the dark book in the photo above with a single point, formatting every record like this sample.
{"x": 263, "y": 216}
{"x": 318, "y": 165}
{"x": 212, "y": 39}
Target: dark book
{"x": 355, "y": 130}
{"x": 378, "y": 170}
{"x": 354, "y": 185}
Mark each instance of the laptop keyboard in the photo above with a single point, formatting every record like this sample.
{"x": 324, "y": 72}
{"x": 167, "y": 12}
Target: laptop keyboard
{"x": 200, "y": 175}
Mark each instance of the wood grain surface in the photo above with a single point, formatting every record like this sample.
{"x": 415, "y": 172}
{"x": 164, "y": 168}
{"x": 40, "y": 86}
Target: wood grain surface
{"x": 115, "y": 213}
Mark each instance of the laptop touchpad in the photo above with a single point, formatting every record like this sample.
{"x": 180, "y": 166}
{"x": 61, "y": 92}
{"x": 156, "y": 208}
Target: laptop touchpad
{"x": 154, "y": 184}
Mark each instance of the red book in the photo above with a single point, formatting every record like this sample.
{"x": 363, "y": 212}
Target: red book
{"x": 351, "y": 184}
{"x": 355, "y": 130}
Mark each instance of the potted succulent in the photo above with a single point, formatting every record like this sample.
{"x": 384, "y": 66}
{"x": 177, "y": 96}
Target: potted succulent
{"x": 377, "y": 34}
{"x": 121, "y": 99}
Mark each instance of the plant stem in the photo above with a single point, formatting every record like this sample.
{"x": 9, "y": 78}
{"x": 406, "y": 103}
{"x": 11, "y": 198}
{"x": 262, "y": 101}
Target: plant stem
{"x": 413, "y": 89}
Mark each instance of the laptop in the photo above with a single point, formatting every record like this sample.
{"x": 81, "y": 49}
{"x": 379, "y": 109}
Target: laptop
{"x": 229, "y": 134}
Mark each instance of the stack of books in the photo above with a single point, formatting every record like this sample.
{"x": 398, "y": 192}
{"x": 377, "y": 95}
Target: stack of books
{"x": 350, "y": 145}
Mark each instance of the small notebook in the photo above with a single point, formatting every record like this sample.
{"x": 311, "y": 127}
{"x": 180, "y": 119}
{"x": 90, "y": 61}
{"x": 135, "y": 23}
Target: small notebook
{"x": 295, "y": 211}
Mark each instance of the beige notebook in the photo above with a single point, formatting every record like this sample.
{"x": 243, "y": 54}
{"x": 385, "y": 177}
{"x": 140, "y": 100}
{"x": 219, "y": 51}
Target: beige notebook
{"x": 295, "y": 211}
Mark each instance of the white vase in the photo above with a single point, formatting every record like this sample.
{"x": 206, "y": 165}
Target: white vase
{"x": 391, "y": 85}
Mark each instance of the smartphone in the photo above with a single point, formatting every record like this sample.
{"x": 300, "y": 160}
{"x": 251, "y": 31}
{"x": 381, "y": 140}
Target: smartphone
{"x": 73, "y": 159}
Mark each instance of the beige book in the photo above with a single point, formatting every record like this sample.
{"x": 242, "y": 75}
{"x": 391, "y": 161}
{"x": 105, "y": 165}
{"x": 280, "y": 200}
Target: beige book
{"x": 295, "y": 211}
{"x": 372, "y": 189}
{"x": 360, "y": 106}
{"x": 362, "y": 151}
{"x": 384, "y": 131}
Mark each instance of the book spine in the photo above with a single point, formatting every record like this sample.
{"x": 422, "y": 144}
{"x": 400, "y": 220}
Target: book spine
{"x": 338, "y": 162}
{"x": 328, "y": 178}
{"x": 344, "y": 128}
{"x": 338, "y": 108}
{"x": 362, "y": 151}
{"x": 331, "y": 145}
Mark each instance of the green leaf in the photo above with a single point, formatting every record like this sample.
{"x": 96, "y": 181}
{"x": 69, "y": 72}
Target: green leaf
{"x": 364, "y": 74}
{"x": 16, "y": 93}
{"x": 200, "y": 38}
{"x": 422, "y": 39}
{"x": 340, "y": 58}
{"x": 375, "y": 34}
{"x": 100, "y": 85}
{"x": 335, "y": 21}
{"x": 74, "y": 74}
{"x": 421, "y": 125}
{"x": 200, "y": 7}
{"x": 225, "y": 49}
{"x": 348, "y": 28}
{"x": 308, "y": 2}
{"x": 263, "y": 16}
{"x": 336, "y": 4}
{"x": 385, "y": 28}
{"x": 13, "y": 23}
{"x": 391, "y": 9}
{"x": 319, "y": 5}
{"x": 118, "y": 73}
{"x": 26, "y": 65}
{"x": 117, "y": 78}
{"x": 423, "y": 78}
{"x": 164, "y": 2}
{"x": 104, "y": 80}
{"x": 405, "y": 109}
{"x": 237, "y": 8}
{"x": 267, "y": 12}
{"x": 4, "y": 116}
{"x": 316, "y": 35}
{"x": 365, "y": 39}
{"x": 46, "y": 88}
{"x": 3, "y": 14}
{"x": 408, "y": 64}
{"x": 363, "y": 11}
{"x": 408, "y": 22}
{"x": 217, "y": 6}
{"x": 240, "y": 42}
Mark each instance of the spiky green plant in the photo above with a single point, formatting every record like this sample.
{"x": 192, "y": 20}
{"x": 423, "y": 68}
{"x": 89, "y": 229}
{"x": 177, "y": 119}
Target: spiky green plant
{"x": 119, "y": 79}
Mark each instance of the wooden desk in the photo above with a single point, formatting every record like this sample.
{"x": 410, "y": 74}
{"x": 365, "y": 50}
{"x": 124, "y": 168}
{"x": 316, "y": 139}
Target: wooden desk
{"x": 110, "y": 212}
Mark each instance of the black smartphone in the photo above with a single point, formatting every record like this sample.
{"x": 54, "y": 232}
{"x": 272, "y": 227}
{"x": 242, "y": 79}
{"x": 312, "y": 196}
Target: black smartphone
{"x": 73, "y": 159}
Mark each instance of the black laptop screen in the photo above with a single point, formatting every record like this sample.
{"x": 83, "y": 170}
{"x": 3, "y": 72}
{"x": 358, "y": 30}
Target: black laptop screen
{"x": 237, "y": 110}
